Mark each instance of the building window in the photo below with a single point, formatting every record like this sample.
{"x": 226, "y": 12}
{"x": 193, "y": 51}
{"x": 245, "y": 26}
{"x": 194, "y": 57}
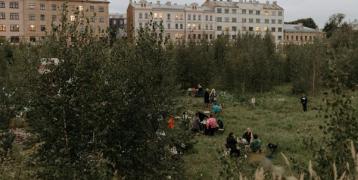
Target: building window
{"x": 279, "y": 29}
{"x": 267, "y": 21}
{"x": 251, "y": 28}
{"x": 273, "y": 21}
{"x": 32, "y": 39}
{"x": 211, "y": 18}
{"x": 194, "y": 17}
{"x": 53, "y": 7}
{"x": 251, "y": 20}
{"x": 258, "y": 21}
{"x": 257, "y": 29}
{"x": 140, "y": 15}
{"x": 72, "y": 18}
{"x": 218, "y": 10}
{"x": 2, "y": 15}
{"x": 176, "y": 26}
{"x": 243, "y": 20}
{"x": 251, "y": 12}
{"x": 92, "y": 8}
{"x": 101, "y": 9}
{"x": 14, "y": 5}
{"x": 279, "y": 38}
{"x": 234, "y": 28}
{"x": 218, "y": 19}
{"x": 211, "y": 36}
{"x": 244, "y": 11}
{"x": 244, "y": 28}
{"x": 227, "y": 19}
{"x": 32, "y": 5}
{"x": 2, "y": 27}
{"x": 101, "y": 20}
{"x": 181, "y": 26}
{"x": 199, "y": 17}
{"x": 273, "y": 29}
{"x": 42, "y": 17}
{"x": 43, "y": 28}
{"x": 206, "y": 18}
{"x": 2, "y": 4}
{"x": 258, "y": 12}
{"x": 279, "y": 21}
{"x": 14, "y": 39}
{"x": 206, "y": 27}
{"x": 54, "y": 18}
{"x": 168, "y": 16}
{"x": 32, "y": 27}
{"x": 219, "y": 28}
{"x": 168, "y": 26}
{"x": 234, "y": 11}
{"x": 146, "y": 16}
{"x": 14, "y": 16}
{"x": 226, "y": 11}
{"x": 189, "y": 16}
{"x": 234, "y": 20}
{"x": 280, "y": 13}
{"x": 42, "y": 7}
{"x": 32, "y": 17}
{"x": 80, "y": 8}
{"x": 273, "y": 13}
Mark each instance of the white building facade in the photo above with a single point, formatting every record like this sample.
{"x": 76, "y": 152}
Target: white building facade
{"x": 210, "y": 20}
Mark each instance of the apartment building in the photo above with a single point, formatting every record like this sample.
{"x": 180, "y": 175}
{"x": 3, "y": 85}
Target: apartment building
{"x": 211, "y": 19}
{"x": 11, "y": 20}
{"x": 299, "y": 34}
{"x": 37, "y": 17}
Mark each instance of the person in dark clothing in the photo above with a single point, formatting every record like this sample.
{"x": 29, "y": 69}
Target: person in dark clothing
{"x": 231, "y": 144}
{"x": 207, "y": 98}
{"x": 248, "y": 136}
{"x": 304, "y": 101}
{"x": 196, "y": 123}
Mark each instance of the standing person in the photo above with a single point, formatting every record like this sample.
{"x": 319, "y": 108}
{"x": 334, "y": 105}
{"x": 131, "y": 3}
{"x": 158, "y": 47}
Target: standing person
{"x": 196, "y": 123}
{"x": 200, "y": 91}
{"x": 171, "y": 122}
{"x": 248, "y": 136}
{"x": 213, "y": 96}
{"x": 231, "y": 144}
{"x": 207, "y": 98}
{"x": 304, "y": 101}
{"x": 253, "y": 102}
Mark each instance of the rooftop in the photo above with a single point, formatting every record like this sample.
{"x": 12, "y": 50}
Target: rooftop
{"x": 297, "y": 28}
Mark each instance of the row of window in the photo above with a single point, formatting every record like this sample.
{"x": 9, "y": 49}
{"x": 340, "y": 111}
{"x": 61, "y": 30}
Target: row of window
{"x": 248, "y": 11}
{"x": 12, "y": 4}
{"x": 299, "y": 38}
{"x": 249, "y": 20}
{"x": 13, "y": 16}
{"x": 13, "y": 28}
{"x": 250, "y": 28}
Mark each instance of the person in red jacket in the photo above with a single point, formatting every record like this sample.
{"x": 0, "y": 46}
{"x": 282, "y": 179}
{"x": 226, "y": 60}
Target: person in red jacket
{"x": 171, "y": 122}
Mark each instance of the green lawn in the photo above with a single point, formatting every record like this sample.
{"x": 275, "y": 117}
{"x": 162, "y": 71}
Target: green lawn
{"x": 278, "y": 118}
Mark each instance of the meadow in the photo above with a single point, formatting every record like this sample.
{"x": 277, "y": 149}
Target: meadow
{"x": 277, "y": 118}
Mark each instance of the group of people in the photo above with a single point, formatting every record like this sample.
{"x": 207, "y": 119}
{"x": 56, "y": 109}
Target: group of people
{"x": 249, "y": 140}
{"x": 209, "y": 125}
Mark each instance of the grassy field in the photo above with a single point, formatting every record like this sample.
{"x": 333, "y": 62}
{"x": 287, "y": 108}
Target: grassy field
{"x": 277, "y": 118}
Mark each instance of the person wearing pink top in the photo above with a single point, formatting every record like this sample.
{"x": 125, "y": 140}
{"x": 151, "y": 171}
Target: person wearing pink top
{"x": 211, "y": 125}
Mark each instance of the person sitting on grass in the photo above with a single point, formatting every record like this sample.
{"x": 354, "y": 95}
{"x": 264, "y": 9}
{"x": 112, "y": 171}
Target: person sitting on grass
{"x": 248, "y": 136}
{"x": 256, "y": 144}
{"x": 216, "y": 108}
{"x": 211, "y": 125}
{"x": 231, "y": 144}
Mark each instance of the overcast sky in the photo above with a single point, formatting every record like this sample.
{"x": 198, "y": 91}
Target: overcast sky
{"x": 319, "y": 10}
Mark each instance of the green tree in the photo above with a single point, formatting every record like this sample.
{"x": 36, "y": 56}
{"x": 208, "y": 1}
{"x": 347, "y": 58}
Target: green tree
{"x": 333, "y": 24}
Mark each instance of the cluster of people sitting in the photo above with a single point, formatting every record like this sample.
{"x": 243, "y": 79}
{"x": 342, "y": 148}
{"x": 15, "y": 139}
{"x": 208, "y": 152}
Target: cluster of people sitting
{"x": 248, "y": 140}
{"x": 209, "y": 125}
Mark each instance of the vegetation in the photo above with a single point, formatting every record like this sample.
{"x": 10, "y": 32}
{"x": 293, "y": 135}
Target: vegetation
{"x": 100, "y": 108}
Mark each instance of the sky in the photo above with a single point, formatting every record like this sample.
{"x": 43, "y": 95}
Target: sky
{"x": 319, "y": 10}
